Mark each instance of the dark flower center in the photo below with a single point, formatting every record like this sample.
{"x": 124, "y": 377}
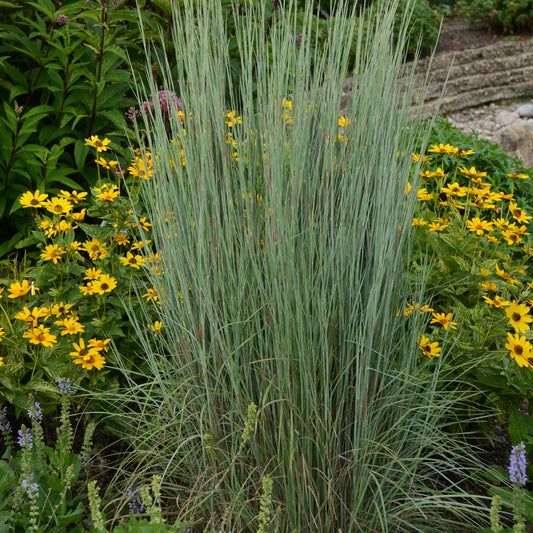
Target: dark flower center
{"x": 517, "y": 317}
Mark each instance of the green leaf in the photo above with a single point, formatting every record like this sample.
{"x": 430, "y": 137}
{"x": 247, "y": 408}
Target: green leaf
{"x": 517, "y": 425}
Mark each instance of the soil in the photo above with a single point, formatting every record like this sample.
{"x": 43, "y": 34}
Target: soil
{"x": 458, "y": 35}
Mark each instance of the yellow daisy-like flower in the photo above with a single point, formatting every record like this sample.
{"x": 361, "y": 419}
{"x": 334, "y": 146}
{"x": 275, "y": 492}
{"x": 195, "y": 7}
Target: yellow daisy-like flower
{"x": 505, "y": 276}
{"x": 437, "y": 226}
{"x": 479, "y": 226}
{"x": 80, "y": 350}
{"x": 423, "y": 195}
{"x": 100, "y": 145}
{"x": 58, "y": 205}
{"x": 496, "y": 301}
{"x": 60, "y": 309}
{"x": 488, "y": 286}
{"x": 105, "y": 283}
{"x": 40, "y": 335}
{"x": 73, "y": 196}
{"x": 70, "y": 326}
{"x": 472, "y": 172}
{"x": 445, "y": 320}
{"x": 95, "y": 249}
{"x": 419, "y": 222}
{"x": 78, "y": 217}
{"x": 88, "y": 289}
{"x": 519, "y": 317}
{"x": 516, "y": 176}
{"x": 92, "y": 274}
{"x": 134, "y": 261}
{"x": 140, "y": 168}
{"x": 443, "y": 149}
{"x": 520, "y": 349}
{"x": 156, "y": 327}
{"x": 109, "y": 165}
{"x": 21, "y": 289}
{"x": 431, "y": 349}
{"x": 2, "y": 333}
{"x": 52, "y": 252}
{"x": 107, "y": 193}
{"x": 121, "y": 238}
{"x": 511, "y": 237}
{"x": 31, "y": 317}
{"x": 1, "y": 360}
{"x": 100, "y": 345}
{"x": 144, "y": 224}
{"x": 36, "y": 199}
{"x": 92, "y": 360}
{"x": 454, "y": 189}
{"x": 152, "y": 294}
{"x": 518, "y": 214}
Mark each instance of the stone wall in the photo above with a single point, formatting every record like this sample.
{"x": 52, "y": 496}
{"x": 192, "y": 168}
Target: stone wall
{"x": 477, "y": 76}
{"x": 474, "y": 77}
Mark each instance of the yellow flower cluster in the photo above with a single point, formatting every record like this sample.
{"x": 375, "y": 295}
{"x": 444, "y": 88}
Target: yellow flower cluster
{"x": 473, "y": 207}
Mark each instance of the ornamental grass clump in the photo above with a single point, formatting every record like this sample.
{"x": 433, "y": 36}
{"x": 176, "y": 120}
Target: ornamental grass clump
{"x": 282, "y": 235}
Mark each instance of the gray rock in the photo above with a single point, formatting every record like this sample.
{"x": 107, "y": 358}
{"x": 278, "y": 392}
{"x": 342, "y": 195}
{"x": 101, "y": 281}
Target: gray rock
{"x": 506, "y": 117}
{"x": 517, "y": 139}
{"x": 525, "y": 110}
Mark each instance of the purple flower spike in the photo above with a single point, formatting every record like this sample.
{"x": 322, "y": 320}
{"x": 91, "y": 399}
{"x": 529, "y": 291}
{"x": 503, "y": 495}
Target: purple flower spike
{"x": 24, "y": 438}
{"x": 518, "y": 468}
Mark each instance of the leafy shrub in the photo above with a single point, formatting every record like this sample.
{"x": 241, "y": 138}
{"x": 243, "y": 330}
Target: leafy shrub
{"x": 64, "y": 76}
{"x": 507, "y": 16}
{"x": 472, "y": 228}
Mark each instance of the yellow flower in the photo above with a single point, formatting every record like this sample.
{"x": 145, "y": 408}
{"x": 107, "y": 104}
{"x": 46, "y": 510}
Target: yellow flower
{"x": 454, "y": 189}
{"x": 437, "y": 226}
{"x": 53, "y": 253}
{"x": 92, "y": 360}
{"x": 95, "y": 249}
{"x": 443, "y": 149}
{"x": 516, "y": 176}
{"x": 134, "y": 261}
{"x": 444, "y": 320}
{"x": 121, "y": 238}
{"x": 107, "y": 193}
{"x": 141, "y": 169}
{"x": 419, "y": 222}
{"x": 61, "y": 309}
{"x": 520, "y": 349}
{"x": 21, "y": 289}
{"x": 73, "y": 196}
{"x": 423, "y": 195}
{"x": 105, "y": 283}
{"x": 31, "y": 317}
{"x": 431, "y": 349}
{"x": 2, "y": 334}
{"x": 78, "y": 217}
{"x": 70, "y": 326}
{"x": 518, "y": 315}
{"x": 58, "y": 205}
{"x": 478, "y": 226}
{"x": 40, "y": 335}
{"x": 511, "y": 237}
{"x": 144, "y": 224}
{"x": 156, "y": 327}
{"x": 36, "y": 199}
{"x": 87, "y": 289}
{"x": 505, "y": 276}
{"x": 109, "y": 165}
{"x": 99, "y": 345}
{"x": 92, "y": 273}
{"x": 95, "y": 142}
{"x": 87, "y": 357}
{"x": 472, "y": 173}
{"x": 488, "y": 286}
{"x": 80, "y": 350}
{"x": 496, "y": 302}
{"x": 152, "y": 294}
{"x": 518, "y": 214}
